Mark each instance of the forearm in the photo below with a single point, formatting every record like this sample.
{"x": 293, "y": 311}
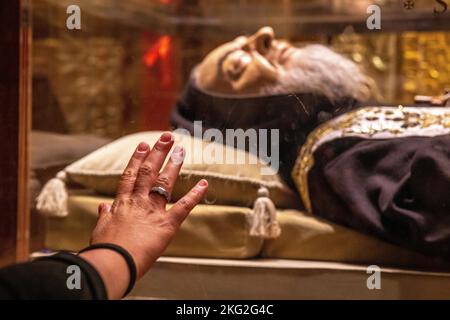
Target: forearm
{"x": 52, "y": 278}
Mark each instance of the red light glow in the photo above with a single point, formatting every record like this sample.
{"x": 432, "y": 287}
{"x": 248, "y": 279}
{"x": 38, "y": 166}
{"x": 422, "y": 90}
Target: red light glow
{"x": 160, "y": 50}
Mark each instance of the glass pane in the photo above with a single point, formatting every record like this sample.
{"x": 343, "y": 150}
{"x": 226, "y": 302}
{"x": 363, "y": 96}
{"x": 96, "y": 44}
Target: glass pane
{"x": 106, "y": 69}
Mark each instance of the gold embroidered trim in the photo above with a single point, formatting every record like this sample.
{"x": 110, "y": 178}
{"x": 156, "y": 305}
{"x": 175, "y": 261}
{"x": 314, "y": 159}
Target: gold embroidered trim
{"x": 369, "y": 122}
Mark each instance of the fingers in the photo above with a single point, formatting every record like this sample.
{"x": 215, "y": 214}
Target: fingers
{"x": 128, "y": 178}
{"x": 149, "y": 170}
{"x": 181, "y": 209}
{"x": 168, "y": 176}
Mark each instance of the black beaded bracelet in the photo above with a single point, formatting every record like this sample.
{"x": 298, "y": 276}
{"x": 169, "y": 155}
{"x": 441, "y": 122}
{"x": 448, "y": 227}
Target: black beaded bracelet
{"x": 125, "y": 254}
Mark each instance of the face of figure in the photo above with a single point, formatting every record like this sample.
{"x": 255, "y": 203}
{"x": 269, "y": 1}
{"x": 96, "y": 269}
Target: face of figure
{"x": 244, "y": 64}
{"x": 262, "y": 64}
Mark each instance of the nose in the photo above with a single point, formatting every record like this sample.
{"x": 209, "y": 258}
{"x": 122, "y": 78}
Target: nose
{"x": 262, "y": 39}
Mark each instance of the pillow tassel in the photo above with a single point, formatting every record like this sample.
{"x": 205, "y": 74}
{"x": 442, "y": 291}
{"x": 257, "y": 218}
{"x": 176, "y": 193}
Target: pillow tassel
{"x": 263, "y": 220}
{"x": 52, "y": 201}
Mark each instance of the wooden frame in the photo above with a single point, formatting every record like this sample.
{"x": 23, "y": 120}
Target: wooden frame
{"x": 15, "y": 90}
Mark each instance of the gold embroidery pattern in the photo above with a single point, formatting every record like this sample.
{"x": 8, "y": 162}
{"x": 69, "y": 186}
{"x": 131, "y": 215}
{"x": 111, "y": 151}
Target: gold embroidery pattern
{"x": 367, "y": 122}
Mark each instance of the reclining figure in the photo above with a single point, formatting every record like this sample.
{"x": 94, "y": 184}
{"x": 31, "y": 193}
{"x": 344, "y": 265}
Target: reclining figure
{"x": 384, "y": 171}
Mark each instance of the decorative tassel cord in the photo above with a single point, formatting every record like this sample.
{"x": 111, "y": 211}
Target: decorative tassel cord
{"x": 52, "y": 201}
{"x": 263, "y": 221}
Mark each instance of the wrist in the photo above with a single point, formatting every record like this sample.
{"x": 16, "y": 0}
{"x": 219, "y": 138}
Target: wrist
{"x": 113, "y": 270}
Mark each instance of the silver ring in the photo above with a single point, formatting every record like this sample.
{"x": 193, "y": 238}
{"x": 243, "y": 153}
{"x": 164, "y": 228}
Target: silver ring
{"x": 161, "y": 191}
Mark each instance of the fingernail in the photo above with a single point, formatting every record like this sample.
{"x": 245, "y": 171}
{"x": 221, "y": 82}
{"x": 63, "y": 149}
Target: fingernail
{"x": 142, "y": 147}
{"x": 101, "y": 208}
{"x": 202, "y": 183}
{"x": 178, "y": 155}
{"x": 166, "y": 137}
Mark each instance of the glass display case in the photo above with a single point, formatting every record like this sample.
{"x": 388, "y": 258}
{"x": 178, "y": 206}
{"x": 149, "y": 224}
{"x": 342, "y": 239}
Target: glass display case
{"x": 100, "y": 70}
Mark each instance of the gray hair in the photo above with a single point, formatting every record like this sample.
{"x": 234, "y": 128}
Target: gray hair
{"x": 318, "y": 69}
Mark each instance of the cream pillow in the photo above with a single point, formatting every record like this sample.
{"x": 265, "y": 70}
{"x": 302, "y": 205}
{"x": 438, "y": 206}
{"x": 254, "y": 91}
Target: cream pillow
{"x": 207, "y": 232}
{"x": 306, "y": 237}
{"x": 229, "y": 184}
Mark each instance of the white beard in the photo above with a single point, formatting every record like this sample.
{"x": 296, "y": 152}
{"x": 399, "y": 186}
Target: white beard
{"x": 320, "y": 70}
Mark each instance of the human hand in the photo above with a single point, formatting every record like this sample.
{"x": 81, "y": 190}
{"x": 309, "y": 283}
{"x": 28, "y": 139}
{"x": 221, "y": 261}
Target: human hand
{"x": 138, "y": 220}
